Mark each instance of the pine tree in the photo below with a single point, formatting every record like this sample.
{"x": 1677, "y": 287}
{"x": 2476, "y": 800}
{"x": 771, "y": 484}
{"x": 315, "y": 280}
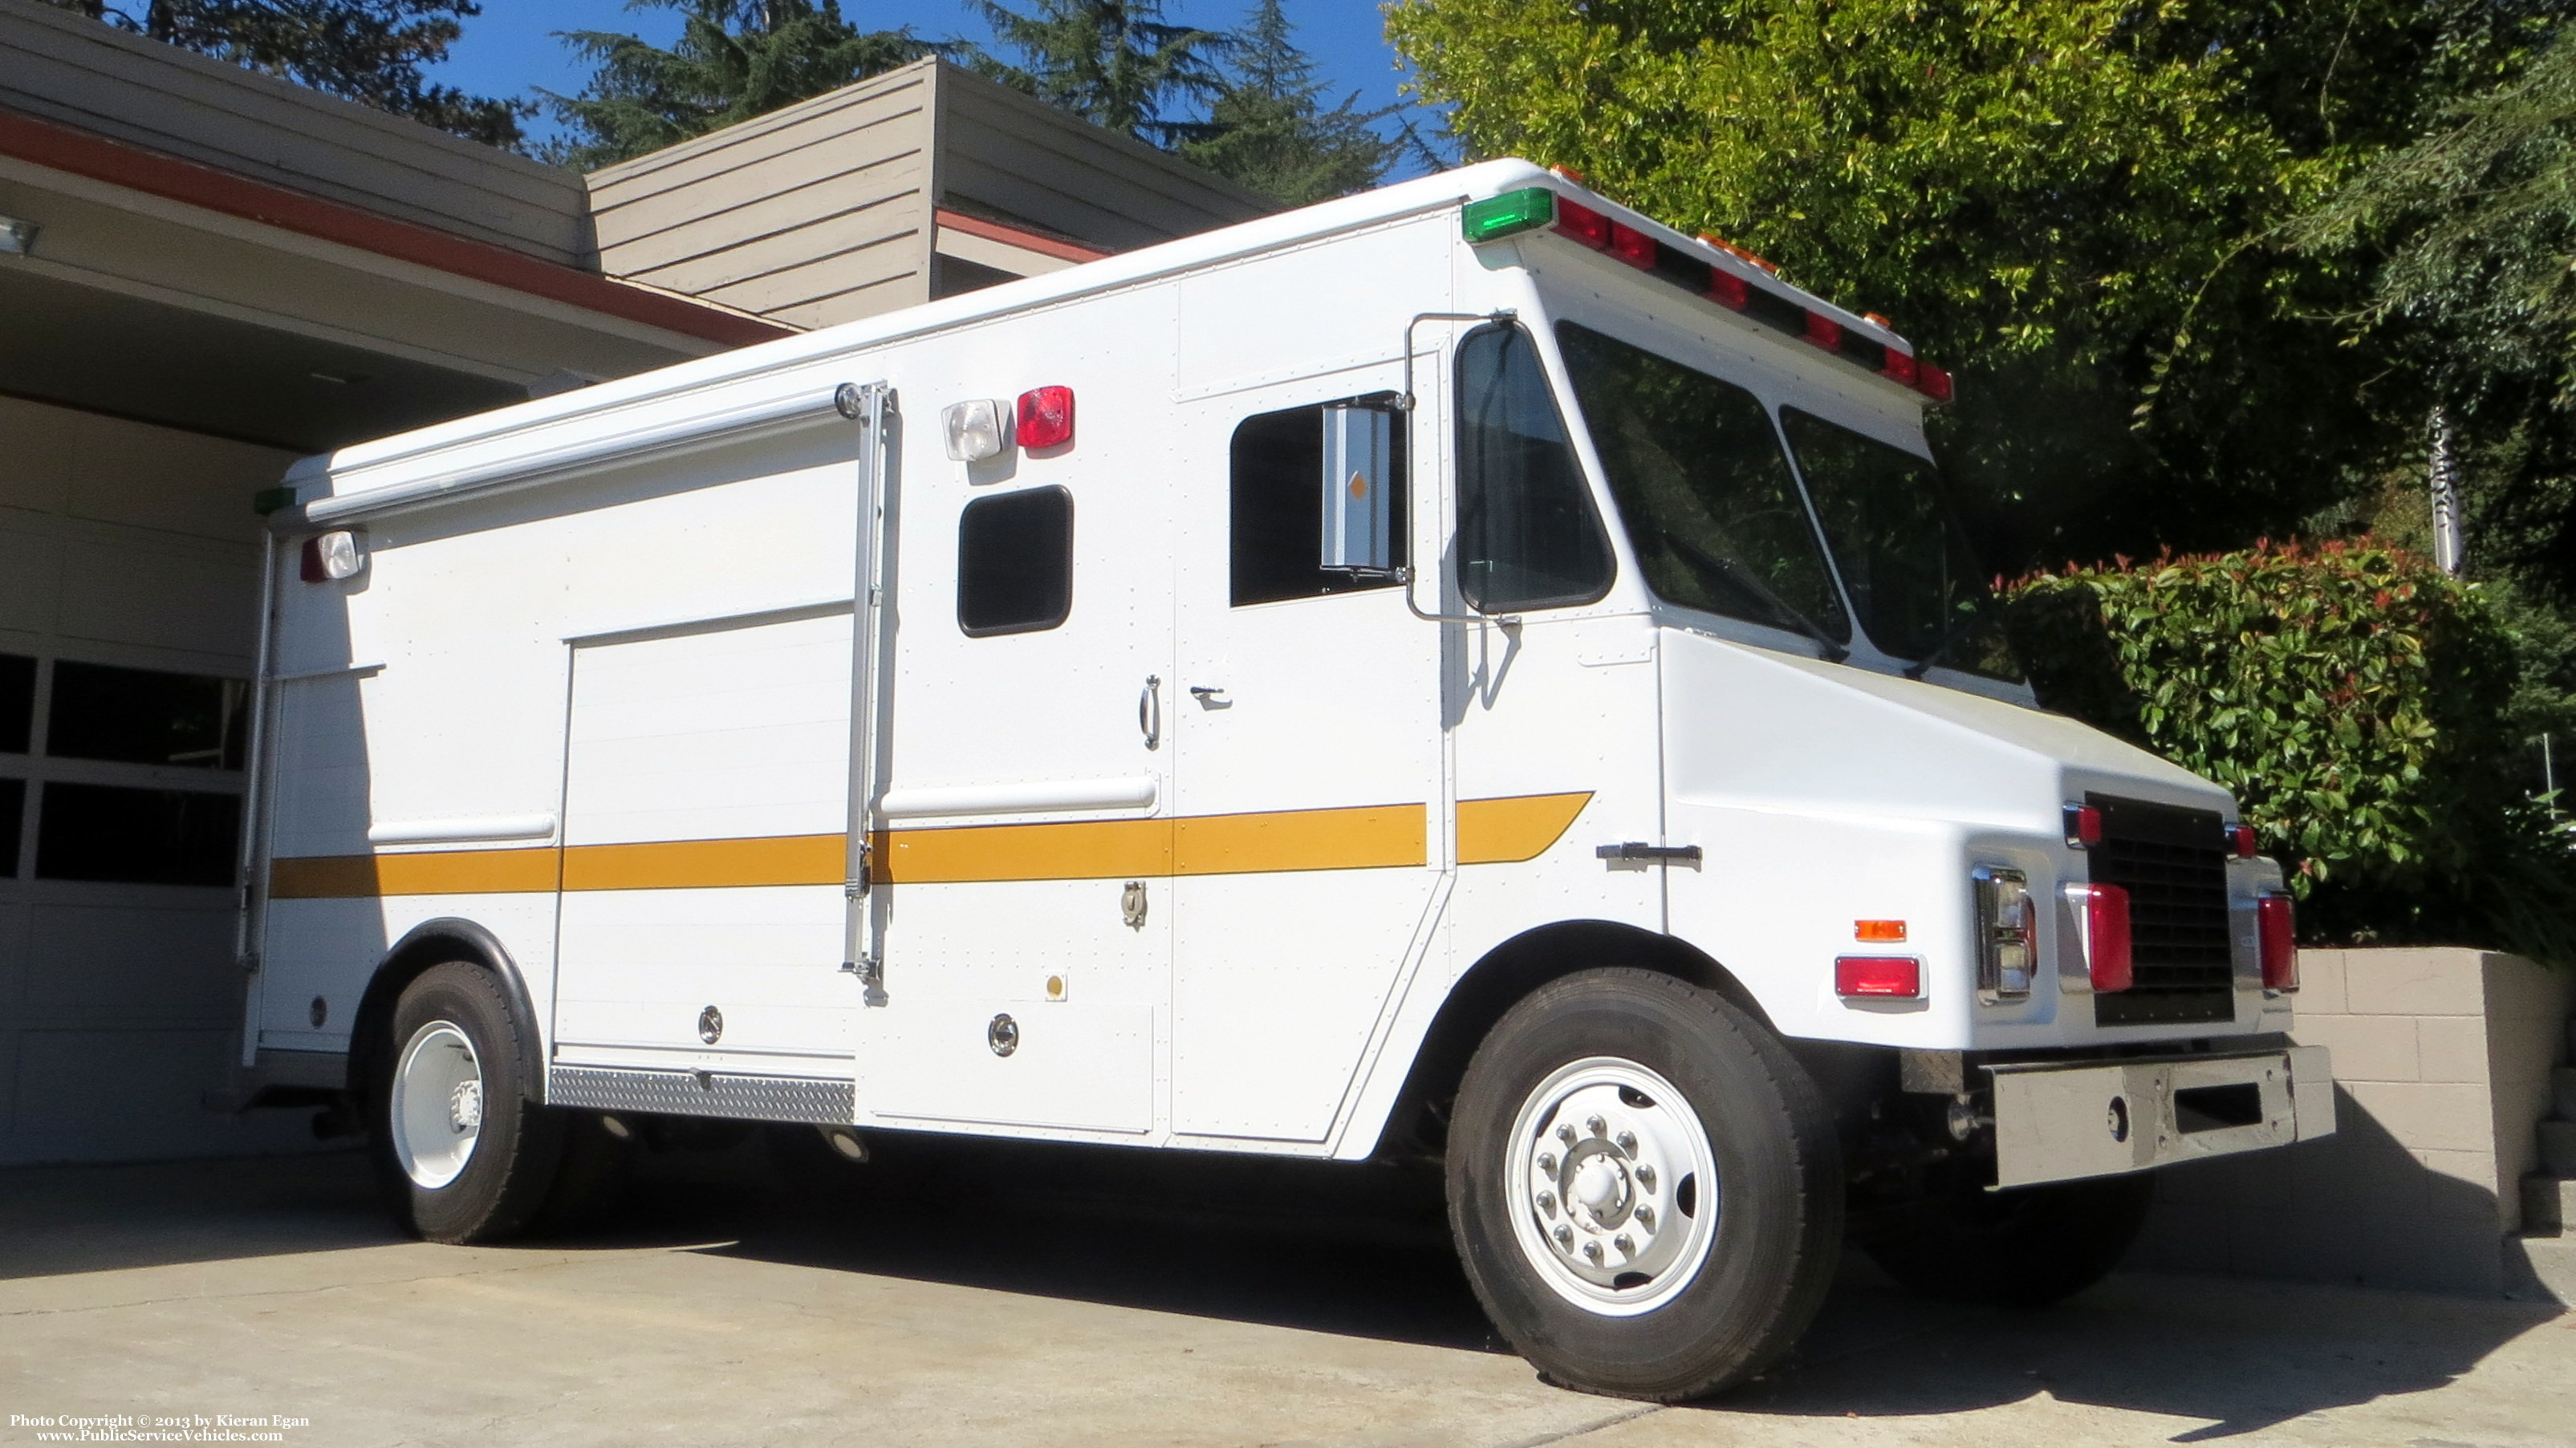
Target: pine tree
{"x": 1266, "y": 130}
{"x": 1115, "y": 63}
{"x": 735, "y": 59}
{"x": 369, "y": 51}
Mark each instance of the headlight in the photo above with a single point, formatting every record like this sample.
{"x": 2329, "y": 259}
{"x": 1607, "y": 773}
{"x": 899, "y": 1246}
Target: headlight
{"x": 2007, "y": 938}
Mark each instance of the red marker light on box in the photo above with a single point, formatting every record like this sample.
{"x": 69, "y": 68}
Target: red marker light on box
{"x": 1931, "y": 381}
{"x": 1885, "y": 977}
{"x": 1824, "y": 331}
{"x": 1632, "y": 246}
{"x": 1898, "y": 366}
{"x": 1584, "y": 224}
{"x": 1046, "y": 417}
{"x": 1728, "y": 290}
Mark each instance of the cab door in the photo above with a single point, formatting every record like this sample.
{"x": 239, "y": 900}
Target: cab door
{"x": 1310, "y": 843}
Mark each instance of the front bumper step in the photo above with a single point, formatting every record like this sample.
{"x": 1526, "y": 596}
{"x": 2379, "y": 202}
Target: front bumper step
{"x": 2056, "y": 1123}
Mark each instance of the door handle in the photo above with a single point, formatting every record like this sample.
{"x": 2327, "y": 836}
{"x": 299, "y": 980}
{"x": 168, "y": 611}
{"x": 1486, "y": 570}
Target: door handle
{"x": 1149, "y": 711}
{"x": 1211, "y": 696}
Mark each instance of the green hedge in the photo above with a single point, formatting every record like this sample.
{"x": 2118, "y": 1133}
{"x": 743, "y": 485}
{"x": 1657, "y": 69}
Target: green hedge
{"x": 2352, "y": 697}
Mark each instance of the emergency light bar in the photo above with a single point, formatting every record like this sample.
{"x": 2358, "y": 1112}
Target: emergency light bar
{"x": 1533, "y": 207}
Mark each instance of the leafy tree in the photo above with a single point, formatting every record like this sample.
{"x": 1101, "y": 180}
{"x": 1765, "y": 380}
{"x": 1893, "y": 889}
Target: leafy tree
{"x": 369, "y": 51}
{"x": 2476, "y": 289}
{"x": 735, "y": 59}
{"x": 1115, "y": 63}
{"x": 2069, "y": 203}
{"x": 1267, "y": 129}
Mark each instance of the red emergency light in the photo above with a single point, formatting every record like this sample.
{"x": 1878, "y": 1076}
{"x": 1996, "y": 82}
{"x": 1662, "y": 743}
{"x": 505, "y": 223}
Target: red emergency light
{"x": 2106, "y": 937}
{"x": 2276, "y": 928}
{"x": 1533, "y": 207}
{"x": 1046, "y": 417}
{"x": 2083, "y": 826}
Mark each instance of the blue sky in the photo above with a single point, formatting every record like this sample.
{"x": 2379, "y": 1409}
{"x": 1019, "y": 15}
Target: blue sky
{"x": 510, "y": 49}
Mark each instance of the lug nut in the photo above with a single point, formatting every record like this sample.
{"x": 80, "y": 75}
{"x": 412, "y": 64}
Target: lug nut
{"x": 1565, "y": 1133}
{"x": 1595, "y": 1125}
{"x": 1564, "y": 1235}
{"x": 1646, "y": 1176}
{"x": 1547, "y": 1161}
{"x": 1626, "y": 1244}
{"x": 1627, "y": 1142}
{"x": 1646, "y": 1218}
{"x": 1547, "y": 1203}
{"x": 1592, "y": 1250}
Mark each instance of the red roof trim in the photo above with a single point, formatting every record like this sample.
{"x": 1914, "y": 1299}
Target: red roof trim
{"x": 158, "y": 174}
{"x": 1013, "y": 236}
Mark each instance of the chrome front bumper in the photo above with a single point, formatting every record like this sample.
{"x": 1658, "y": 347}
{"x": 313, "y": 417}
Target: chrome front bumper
{"x": 2057, "y": 1123}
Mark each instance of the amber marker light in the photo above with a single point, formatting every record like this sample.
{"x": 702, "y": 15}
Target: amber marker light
{"x": 1878, "y": 930}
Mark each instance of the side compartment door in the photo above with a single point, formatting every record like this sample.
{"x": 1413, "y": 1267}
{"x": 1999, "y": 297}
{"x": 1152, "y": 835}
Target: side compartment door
{"x": 1023, "y": 831}
{"x": 705, "y": 800}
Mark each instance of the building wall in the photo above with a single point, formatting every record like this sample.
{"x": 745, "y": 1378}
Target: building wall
{"x": 2441, "y": 1061}
{"x": 72, "y": 70}
{"x": 1011, "y": 158}
{"x": 128, "y": 574}
{"x": 815, "y": 214}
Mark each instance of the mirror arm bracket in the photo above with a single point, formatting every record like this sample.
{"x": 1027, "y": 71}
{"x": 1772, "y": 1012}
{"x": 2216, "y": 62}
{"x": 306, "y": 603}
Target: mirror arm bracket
{"x": 1402, "y": 578}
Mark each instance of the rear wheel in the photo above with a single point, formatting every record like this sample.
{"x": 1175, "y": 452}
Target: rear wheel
{"x": 462, "y": 1153}
{"x": 2027, "y": 1247}
{"x": 1644, "y": 1186}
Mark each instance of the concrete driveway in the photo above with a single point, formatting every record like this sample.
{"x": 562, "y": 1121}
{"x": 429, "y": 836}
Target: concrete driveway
{"x": 1089, "y": 1298}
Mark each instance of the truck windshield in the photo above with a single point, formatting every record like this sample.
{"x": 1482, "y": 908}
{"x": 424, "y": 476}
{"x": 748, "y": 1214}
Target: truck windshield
{"x": 1903, "y": 557}
{"x": 1706, "y": 494}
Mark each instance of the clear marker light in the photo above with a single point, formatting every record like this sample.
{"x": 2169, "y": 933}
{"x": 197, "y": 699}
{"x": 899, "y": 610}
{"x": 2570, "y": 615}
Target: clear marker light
{"x": 975, "y": 430}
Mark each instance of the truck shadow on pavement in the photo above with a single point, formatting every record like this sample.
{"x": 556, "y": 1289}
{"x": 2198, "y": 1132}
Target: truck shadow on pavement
{"x": 1344, "y": 1250}
{"x": 1365, "y": 1251}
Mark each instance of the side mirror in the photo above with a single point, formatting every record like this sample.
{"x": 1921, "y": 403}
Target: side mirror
{"x": 1358, "y": 489}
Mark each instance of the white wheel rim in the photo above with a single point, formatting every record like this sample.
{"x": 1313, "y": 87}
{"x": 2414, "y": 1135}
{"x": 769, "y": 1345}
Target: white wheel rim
{"x": 1612, "y": 1186}
{"x": 437, "y": 1107}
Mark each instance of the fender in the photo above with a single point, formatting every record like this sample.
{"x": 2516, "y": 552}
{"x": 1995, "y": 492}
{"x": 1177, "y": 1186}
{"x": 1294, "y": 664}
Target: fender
{"x": 1414, "y": 1124}
{"x": 434, "y": 942}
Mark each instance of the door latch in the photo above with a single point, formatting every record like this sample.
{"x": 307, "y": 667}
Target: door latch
{"x": 1640, "y": 850}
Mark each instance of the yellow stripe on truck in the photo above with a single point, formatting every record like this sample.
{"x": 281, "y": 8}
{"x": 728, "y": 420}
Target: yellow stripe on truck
{"x": 1365, "y": 837}
{"x": 1521, "y": 827}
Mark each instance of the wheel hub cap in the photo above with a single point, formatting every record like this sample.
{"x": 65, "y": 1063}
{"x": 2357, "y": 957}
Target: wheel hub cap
{"x": 465, "y": 1107}
{"x": 1616, "y": 1184}
{"x": 435, "y": 1107}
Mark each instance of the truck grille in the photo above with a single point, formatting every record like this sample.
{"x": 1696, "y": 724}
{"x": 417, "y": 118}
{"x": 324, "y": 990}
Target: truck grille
{"x": 2173, "y": 863}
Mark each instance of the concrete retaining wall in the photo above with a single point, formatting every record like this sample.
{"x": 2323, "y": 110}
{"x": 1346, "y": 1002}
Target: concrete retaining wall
{"x": 2442, "y": 1060}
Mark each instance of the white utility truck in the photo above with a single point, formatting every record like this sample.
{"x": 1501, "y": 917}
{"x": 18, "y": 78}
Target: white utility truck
{"x": 1463, "y": 671}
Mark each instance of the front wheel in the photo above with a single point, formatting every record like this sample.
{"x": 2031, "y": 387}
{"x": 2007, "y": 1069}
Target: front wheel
{"x": 1644, "y": 1186}
{"x": 462, "y": 1153}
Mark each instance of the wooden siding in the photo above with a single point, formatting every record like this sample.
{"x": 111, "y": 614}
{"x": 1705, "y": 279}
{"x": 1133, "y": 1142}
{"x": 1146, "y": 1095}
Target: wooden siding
{"x": 66, "y": 68}
{"x": 1016, "y": 159}
{"x": 816, "y": 214}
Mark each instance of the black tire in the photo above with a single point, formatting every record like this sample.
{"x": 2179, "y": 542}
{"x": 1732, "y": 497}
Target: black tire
{"x": 1772, "y": 1249}
{"x": 516, "y": 1149}
{"x": 2027, "y": 1247}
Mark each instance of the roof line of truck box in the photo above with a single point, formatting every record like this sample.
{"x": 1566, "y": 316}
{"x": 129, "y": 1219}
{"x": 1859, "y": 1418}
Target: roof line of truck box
{"x": 706, "y": 401}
